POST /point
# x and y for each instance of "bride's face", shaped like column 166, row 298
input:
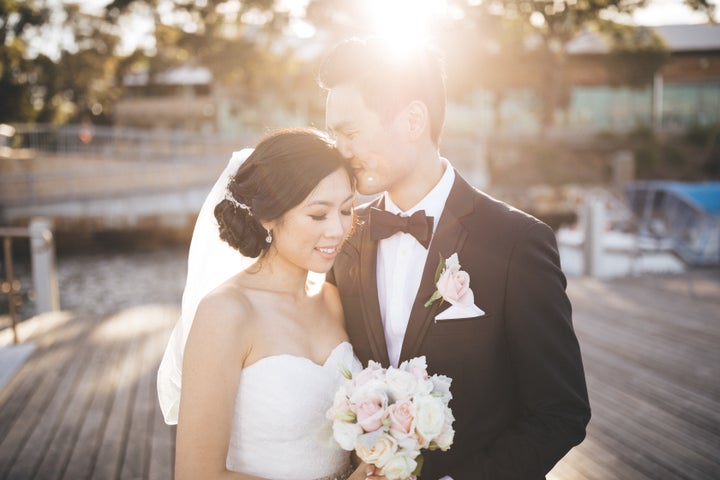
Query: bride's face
column 311, row 234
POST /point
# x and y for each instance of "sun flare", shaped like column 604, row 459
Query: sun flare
column 403, row 23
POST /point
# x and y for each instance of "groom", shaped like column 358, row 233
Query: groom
column 520, row 399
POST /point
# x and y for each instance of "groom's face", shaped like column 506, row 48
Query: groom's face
column 373, row 145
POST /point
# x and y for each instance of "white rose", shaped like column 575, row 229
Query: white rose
column 402, row 385
column 376, row 448
column 445, row 439
column 340, row 404
column 417, row 366
column 408, row 445
column 346, row 434
column 424, row 387
column 447, row 435
column 429, row 417
column 441, row 387
column 400, row 467
column 374, row 389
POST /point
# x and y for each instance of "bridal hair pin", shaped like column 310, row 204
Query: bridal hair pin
column 231, row 199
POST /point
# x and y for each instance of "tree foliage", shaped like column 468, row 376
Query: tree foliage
column 235, row 40
column 18, row 75
column 500, row 45
column 495, row 44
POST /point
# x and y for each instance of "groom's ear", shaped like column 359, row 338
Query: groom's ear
column 416, row 118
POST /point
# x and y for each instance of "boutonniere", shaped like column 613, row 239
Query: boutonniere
column 453, row 286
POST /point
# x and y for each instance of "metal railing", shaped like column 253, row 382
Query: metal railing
column 123, row 142
column 43, row 163
column 43, row 259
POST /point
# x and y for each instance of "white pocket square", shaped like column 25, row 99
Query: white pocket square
column 460, row 311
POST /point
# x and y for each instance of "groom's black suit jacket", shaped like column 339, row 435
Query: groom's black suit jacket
column 520, row 399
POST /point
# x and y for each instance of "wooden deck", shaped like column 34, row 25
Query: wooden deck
column 84, row 404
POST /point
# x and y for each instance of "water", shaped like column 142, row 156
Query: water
column 104, row 282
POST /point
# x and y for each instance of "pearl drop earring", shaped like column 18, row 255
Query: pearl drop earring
column 268, row 239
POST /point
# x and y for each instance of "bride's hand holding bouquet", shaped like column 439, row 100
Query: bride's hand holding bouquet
column 388, row 416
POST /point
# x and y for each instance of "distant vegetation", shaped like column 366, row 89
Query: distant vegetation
column 245, row 44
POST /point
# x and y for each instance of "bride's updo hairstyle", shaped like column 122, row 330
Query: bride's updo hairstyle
column 284, row 168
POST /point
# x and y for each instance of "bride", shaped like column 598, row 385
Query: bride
column 258, row 347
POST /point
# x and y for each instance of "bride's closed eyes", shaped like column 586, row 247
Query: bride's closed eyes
column 323, row 216
column 320, row 215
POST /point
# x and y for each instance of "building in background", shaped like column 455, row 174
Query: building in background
column 684, row 94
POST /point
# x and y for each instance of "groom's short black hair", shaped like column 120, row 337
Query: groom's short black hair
column 388, row 80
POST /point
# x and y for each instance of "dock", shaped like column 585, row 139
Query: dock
column 83, row 404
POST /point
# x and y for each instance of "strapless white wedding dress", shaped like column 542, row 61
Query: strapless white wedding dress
column 279, row 427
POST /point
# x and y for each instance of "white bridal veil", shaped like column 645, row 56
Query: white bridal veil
column 211, row 261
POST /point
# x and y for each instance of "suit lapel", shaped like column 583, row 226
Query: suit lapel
column 370, row 303
column 449, row 238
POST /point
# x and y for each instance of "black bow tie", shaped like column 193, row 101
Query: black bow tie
column 385, row 224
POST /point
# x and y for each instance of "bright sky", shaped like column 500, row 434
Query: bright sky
column 659, row 12
column 670, row 12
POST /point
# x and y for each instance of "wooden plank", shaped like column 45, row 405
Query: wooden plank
column 95, row 418
column 35, row 387
column 48, row 419
column 113, row 442
column 162, row 441
column 136, row 460
column 665, row 452
column 650, row 351
column 63, row 441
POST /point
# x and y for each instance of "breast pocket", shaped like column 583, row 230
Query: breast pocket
column 462, row 326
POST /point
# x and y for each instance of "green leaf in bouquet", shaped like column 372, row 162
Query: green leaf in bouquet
column 346, row 417
column 345, row 372
column 420, row 460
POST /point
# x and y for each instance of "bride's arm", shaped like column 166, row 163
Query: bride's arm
column 216, row 348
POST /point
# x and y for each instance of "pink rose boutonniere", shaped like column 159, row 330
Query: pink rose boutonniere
column 453, row 286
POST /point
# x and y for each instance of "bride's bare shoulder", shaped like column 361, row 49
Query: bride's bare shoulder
column 228, row 307
column 223, row 328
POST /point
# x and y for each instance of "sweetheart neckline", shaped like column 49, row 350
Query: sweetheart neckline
column 280, row 355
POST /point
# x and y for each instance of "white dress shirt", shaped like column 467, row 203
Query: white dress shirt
column 400, row 264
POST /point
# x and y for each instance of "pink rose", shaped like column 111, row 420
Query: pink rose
column 363, row 377
column 454, row 286
column 370, row 414
column 340, row 408
column 401, row 416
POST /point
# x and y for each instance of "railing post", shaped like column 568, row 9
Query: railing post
column 11, row 286
column 594, row 232
column 42, row 248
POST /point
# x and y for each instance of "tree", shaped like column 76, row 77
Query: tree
column 235, row 40
column 546, row 28
column 18, row 75
column 503, row 44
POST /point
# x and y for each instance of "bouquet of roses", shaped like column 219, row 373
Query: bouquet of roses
column 388, row 415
